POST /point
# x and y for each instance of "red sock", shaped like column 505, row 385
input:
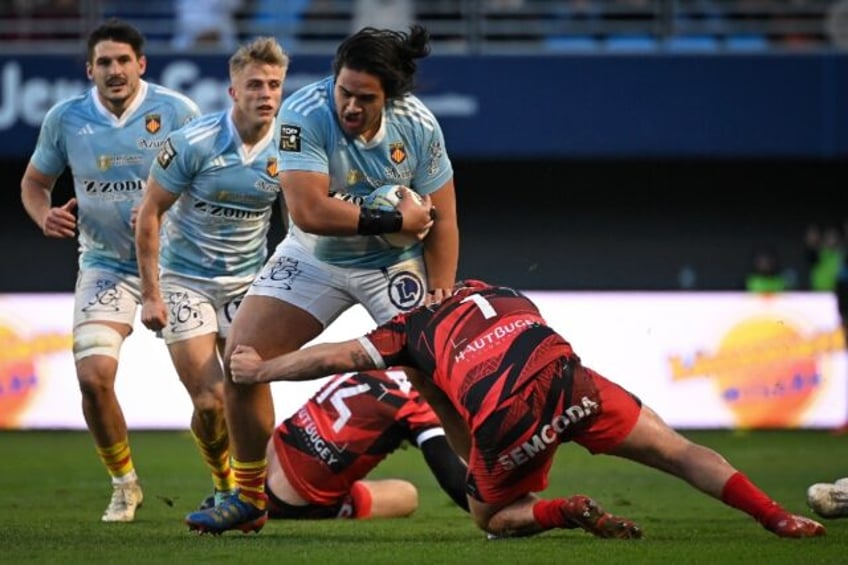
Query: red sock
column 548, row 513
column 361, row 500
column 739, row 492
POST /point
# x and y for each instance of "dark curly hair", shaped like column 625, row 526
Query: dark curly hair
column 387, row 54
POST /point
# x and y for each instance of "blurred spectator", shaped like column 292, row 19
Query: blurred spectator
column 451, row 23
column 766, row 274
column 799, row 25
column 700, row 17
column 383, row 14
column 152, row 17
column 836, row 24
column 326, row 21
column 841, row 291
column 42, row 19
column 200, row 23
column 277, row 19
column 824, row 253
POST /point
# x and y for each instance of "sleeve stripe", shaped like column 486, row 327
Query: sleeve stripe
column 372, row 352
column 416, row 111
column 308, row 101
column 429, row 434
column 200, row 133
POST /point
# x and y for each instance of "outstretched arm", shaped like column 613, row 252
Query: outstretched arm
column 313, row 362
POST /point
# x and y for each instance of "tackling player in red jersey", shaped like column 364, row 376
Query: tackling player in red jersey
column 319, row 456
column 508, row 390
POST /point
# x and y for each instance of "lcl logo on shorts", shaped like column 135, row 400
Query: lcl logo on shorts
column 406, row 290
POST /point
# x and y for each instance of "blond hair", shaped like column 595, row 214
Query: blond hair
column 260, row 50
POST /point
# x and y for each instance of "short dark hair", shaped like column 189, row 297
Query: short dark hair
column 118, row 31
column 387, row 54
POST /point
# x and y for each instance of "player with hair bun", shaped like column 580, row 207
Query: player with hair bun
column 340, row 138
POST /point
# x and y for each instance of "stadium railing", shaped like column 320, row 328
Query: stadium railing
column 467, row 26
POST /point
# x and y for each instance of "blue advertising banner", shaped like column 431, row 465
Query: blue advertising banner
column 596, row 106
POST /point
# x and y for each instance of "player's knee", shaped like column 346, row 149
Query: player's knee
column 96, row 350
column 96, row 339
column 209, row 416
column 207, row 402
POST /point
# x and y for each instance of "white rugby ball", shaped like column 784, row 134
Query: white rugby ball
column 386, row 198
column 829, row 500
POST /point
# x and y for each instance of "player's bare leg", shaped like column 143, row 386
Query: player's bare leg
column 652, row 442
column 273, row 328
column 199, row 368
column 530, row 515
column 105, row 421
column 390, row 498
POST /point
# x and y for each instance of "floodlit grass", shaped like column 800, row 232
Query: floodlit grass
column 53, row 490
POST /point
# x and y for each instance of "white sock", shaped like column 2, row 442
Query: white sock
column 130, row 477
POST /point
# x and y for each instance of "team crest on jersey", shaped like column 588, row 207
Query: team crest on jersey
column 166, row 154
column 289, row 138
column 271, row 166
column 104, row 162
column 152, row 123
column 406, row 291
column 397, row 152
column 353, row 176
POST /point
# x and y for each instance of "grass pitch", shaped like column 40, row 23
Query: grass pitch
column 53, row 490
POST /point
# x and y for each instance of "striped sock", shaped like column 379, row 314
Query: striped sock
column 216, row 455
column 250, row 478
column 117, row 459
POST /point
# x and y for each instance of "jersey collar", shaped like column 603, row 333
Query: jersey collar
column 140, row 95
column 378, row 137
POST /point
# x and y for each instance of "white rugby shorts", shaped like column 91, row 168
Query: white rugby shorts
column 294, row 275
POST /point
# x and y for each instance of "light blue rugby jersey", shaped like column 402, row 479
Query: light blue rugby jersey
column 409, row 149
column 109, row 158
column 218, row 226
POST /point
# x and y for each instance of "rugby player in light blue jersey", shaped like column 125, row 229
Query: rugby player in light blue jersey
column 108, row 137
column 341, row 138
column 217, row 179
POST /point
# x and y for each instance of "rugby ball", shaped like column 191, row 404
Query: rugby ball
column 829, row 500
column 386, row 198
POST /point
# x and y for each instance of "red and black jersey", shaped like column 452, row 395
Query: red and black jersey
column 351, row 424
column 480, row 345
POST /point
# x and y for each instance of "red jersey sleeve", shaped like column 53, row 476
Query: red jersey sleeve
column 386, row 344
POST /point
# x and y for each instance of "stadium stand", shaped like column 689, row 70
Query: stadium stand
column 469, row 26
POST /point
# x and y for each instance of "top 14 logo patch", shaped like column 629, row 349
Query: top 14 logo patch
column 290, row 138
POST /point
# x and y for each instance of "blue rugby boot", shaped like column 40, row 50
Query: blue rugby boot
column 232, row 513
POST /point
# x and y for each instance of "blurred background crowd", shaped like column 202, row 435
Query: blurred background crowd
column 622, row 202
column 458, row 26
